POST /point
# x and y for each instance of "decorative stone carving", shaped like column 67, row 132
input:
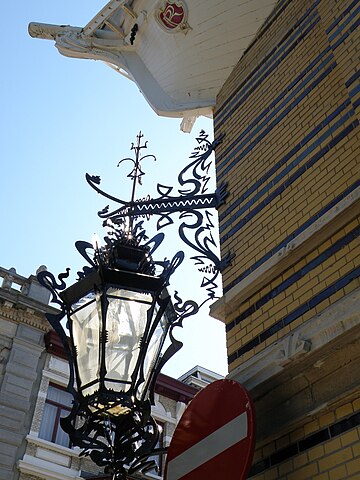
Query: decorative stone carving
column 8, row 279
column 24, row 317
column 333, row 322
column 292, row 347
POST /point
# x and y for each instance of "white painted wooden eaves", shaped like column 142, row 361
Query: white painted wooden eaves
column 179, row 74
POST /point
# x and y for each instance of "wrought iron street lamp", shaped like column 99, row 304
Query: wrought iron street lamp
column 118, row 316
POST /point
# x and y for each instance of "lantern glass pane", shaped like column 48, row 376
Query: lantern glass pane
column 125, row 323
column 153, row 352
column 85, row 321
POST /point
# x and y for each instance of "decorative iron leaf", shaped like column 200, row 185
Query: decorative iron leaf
column 163, row 190
column 104, row 211
column 94, row 179
column 82, row 248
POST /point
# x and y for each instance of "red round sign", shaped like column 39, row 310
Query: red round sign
column 215, row 437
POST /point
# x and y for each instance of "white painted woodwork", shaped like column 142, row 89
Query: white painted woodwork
column 179, row 73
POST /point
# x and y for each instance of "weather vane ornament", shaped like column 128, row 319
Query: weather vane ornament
column 119, row 311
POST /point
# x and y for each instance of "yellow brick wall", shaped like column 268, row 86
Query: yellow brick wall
column 337, row 458
column 300, row 292
column 290, row 114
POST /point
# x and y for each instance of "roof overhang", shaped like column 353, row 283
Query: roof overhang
column 179, row 53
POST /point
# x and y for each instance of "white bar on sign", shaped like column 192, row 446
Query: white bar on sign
column 210, row 446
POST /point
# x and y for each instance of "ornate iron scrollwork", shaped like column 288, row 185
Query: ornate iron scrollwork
column 193, row 203
column 108, row 441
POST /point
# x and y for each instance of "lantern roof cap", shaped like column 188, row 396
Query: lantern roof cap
column 126, row 280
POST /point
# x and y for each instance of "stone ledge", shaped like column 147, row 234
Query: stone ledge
column 335, row 219
column 47, row 470
column 290, row 384
column 33, row 439
column 15, row 315
column 317, row 332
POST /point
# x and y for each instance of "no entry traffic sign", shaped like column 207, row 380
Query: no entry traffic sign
column 215, row 437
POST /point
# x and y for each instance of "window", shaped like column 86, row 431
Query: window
column 57, row 405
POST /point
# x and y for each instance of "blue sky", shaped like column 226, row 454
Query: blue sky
column 61, row 118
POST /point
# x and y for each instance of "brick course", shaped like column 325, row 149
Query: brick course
column 290, row 114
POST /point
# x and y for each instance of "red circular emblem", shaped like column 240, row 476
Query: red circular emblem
column 172, row 16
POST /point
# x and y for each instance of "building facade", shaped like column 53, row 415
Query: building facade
column 290, row 116
column 289, row 113
column 33, row 379
column 22, row 359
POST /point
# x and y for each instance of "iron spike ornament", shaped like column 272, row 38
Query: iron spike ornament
column 119, row 312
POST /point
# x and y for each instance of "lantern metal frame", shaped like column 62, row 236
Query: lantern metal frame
column 115, row 427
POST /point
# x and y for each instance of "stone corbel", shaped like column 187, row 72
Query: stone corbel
column 271, row 361
column 334, row 323
column 292, row 347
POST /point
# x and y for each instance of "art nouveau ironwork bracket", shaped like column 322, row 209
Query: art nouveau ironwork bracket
column 191, row 201
column 115, row 440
